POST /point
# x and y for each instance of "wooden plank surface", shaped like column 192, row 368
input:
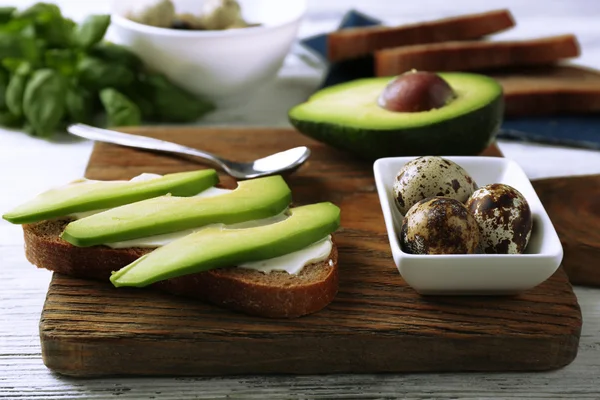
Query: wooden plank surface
column 376, row 323
column 573, row 204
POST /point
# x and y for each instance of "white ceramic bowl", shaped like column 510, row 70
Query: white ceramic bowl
column 227, row 66
column 472, row 274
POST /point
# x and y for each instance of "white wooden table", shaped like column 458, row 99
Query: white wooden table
column 28, row 166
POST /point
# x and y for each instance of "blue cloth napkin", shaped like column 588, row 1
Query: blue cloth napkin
column 567, row 131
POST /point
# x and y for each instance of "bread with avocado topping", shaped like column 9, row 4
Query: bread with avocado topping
column 275, row 294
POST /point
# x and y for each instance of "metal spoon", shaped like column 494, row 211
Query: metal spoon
column 274, row 164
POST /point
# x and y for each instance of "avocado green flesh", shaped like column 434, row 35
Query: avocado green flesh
column 253, row 199
column 348, row 116
column 83, row 197
column 217, row 246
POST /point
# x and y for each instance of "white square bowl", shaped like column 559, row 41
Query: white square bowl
column 473, row 274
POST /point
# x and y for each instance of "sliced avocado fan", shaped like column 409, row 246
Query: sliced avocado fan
column 218, row 246
column 97, row 195
column 347, row 116
column 252, row 199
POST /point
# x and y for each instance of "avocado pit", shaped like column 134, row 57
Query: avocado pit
column 416, row 92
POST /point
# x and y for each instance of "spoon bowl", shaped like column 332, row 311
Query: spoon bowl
column 274, row 164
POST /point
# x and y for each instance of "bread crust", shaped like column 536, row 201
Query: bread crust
column 352, row 43
column 273, row 295
column 475, row 55
column 549, row 90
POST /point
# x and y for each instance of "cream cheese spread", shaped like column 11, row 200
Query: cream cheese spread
column 293, row 263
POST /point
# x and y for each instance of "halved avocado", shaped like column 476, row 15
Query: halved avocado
column 348, row 116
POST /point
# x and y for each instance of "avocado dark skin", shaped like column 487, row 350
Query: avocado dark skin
column 416, row 92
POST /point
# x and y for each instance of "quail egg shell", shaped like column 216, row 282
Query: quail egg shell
column 504, row 218
column 439, row 225
column 430, row 176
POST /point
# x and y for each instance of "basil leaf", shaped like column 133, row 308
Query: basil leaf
column 115, row 53
column 6, row 14
column 15, row 46
column 62, row 60
column 172, row 103
column 10, row 120
column 44, row 101
column 15, row 90
column 91, row 31
column 3, row 86
column 120, row 110
column 80, row 104
column 49, row 24
column 96, row 74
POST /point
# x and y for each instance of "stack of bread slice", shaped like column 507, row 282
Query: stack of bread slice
column 534, row 80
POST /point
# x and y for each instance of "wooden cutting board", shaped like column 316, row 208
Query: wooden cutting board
column 376, row 323
column 573, row 205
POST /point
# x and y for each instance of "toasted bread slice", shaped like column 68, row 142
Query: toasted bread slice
column 274, row 295
column 357, row 42
column 475, row 55
column 550, row 90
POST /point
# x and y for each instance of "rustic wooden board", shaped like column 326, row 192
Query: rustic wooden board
column 376, row 323
column 573, row 204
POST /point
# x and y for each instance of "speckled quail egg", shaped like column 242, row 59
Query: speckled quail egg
column 439, row 225
column 504, row 218
column 430, row 176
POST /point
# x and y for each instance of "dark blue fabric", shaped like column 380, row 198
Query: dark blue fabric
column 567, row 131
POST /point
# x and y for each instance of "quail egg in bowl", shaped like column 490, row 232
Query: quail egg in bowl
column 430, row 176
column 504, row 218
column 469, row 271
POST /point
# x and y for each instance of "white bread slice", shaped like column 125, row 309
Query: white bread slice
column 273, row 295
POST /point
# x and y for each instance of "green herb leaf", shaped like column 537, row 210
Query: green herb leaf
column 21, row 27
column 80, row 104
column 91, row 31
column 15, row 46
column 15, row 90
column 144, row 104
column 37, row 9
column 120, row 110
column 3, row 86
column 62, row 60
column 6, row 14
column 115, row 53
column 9, row 120
column 49, row 24
column 173, row 103
column 13, row 64
column 44, row 101
column 96, row 74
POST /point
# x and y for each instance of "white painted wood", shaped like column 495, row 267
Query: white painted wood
column 23, row 287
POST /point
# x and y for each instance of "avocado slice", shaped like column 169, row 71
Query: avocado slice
column 252, row 199
column 348, row 116
column 217, row 246
column 82, row 197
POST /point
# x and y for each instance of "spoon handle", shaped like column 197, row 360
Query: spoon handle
column 142, row 142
